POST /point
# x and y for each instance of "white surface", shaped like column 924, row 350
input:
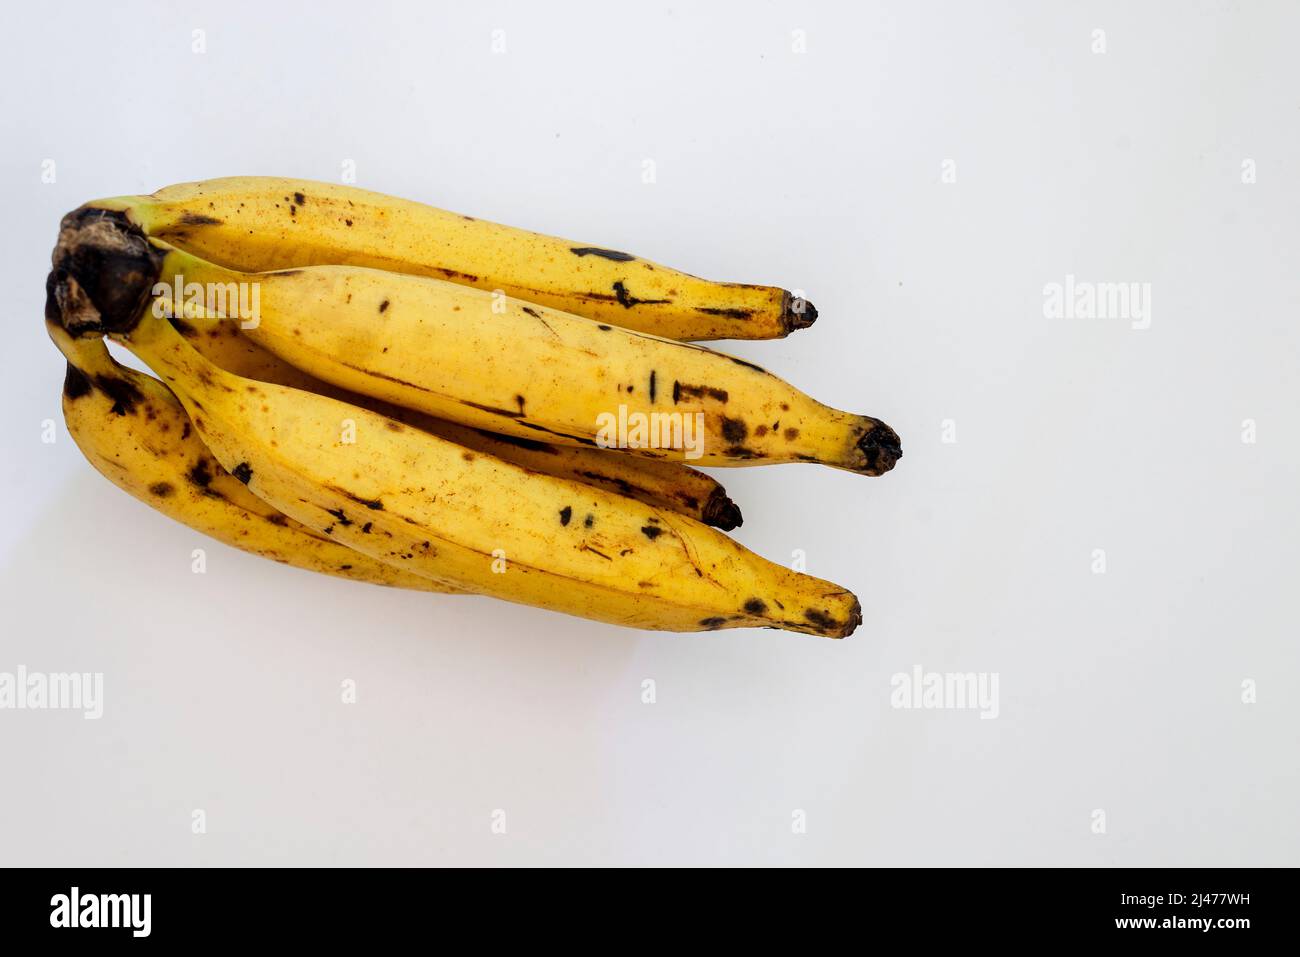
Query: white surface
column 820, row 171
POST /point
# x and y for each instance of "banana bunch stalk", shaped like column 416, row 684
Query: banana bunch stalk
column 396, row 394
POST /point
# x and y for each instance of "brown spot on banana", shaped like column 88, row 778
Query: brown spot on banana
column 125, row 396
column 734, row 430
column 75, row 383
column 201, row 474
column 726, row 313
column 493, row 409
column 197, row 219
column 698, row 392
column 610, row 254
column 627, row 301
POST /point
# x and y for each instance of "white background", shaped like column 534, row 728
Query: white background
column 820, row 171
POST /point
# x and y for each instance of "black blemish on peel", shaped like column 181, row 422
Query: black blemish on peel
column 123, row 393
column 623, row 485
column 300, row 199
column 383, row 305
column 197, row 219
column 514, row 440
column 728, row 313
column 185, row 430
column 75, row 383
column 820, row 619
column 611, row 254
column 454, row 274
column 340, row 515
column 566, row 513
column 161, row 489
column 492, row 409
column 734, row 430
column 184, row 328
column 589, row 521
column 243, row 471
column 652, row 386
column 747, row 365
column 604, row 328
column 532, row 312
column 580, row 439
column 627, row 301
column 293, row 210
column 200, row 474
column 698, row 392
column 712, row 623
column 756, row 606
column 367, row 527
column 650, row 532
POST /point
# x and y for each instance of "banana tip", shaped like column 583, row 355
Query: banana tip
column 798, row 313
column 881, row 448
column 721, row 512
column 854, row 619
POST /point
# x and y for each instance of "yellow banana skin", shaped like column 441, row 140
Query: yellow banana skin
column 262, row 223
column 659, row 483
column 136, row 434
column 533, row 372
column 467, row 519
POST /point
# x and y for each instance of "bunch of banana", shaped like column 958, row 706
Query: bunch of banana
column 418, row 398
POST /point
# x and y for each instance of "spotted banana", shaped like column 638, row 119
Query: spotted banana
column 262, row 223
column 505, row 366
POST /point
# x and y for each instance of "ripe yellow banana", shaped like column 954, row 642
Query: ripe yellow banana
column 529, row 371
column 660, row 483
column 137, row 435
column 261, row 223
